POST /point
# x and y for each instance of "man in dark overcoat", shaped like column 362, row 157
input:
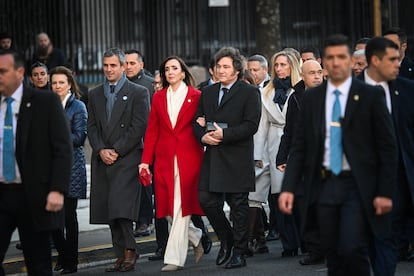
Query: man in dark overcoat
column 231, row 110
column 33, row 186
column 118, row 113
column 350, row 173
column 383, row 70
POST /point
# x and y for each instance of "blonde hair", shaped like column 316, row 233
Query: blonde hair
column 295, row 71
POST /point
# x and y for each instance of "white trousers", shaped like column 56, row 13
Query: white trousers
column 182, row 229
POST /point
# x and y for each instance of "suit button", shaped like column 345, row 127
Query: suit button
column 122, row 125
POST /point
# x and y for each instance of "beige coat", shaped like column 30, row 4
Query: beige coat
column 266, row 145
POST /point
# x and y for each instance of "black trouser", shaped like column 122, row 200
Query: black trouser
column 15, row 212
column 212, row 205
column 122, row 236
column 146, row 213
column 344, row 227
column 66, row 240
column 387, row 249
column 286, row 224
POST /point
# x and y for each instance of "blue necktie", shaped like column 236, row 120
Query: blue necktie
column 9, row 172
column 336, row 137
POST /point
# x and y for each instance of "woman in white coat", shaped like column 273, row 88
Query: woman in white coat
column 285, row 73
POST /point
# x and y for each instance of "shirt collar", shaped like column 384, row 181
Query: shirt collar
column 17, row 95
column 343, row 87
column 227, row 86
column 370, row 81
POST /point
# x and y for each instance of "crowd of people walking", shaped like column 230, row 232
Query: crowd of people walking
column 327, row 141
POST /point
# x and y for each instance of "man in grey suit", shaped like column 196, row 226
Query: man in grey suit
column 118, row 113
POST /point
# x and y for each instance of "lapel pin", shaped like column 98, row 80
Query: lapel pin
column 28, row 105
column 396, row 92
column 356, row 98
column 124, row 98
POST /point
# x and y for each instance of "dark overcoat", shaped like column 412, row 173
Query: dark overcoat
column 43, row 154
column 229, row 166
column 402, row 103
column 368, row 142
column 115, row 190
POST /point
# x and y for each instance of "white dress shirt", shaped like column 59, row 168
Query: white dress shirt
column 384, row 85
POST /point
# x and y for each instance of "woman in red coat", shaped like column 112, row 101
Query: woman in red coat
column 171, row 145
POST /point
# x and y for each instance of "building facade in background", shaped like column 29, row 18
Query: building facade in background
column 192, row 29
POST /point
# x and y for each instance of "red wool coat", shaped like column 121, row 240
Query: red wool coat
column 162, row 143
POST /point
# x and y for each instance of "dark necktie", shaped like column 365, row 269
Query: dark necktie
column 9, row 172
column 223, row 92
column 112, row 87
column 336, row 137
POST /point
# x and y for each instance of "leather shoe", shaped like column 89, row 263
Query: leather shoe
column 158, row 255
column 58, row 267
column 224, row 253
column 116, row 266
column 130, row 258
column 312, row 260
column 142, row 230
column 69, row 270
column 273, row 235
column 236, row 261
column 206, row 242
column 290, row 253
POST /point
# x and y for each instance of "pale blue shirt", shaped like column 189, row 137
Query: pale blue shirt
column 17, row 99
column 329, row 103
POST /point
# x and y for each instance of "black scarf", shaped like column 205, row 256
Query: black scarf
column 281, row 86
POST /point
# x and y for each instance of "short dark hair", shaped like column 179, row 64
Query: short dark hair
column 4, row 35
column 337, row 40
column 18, row 59
column 362, row 40
column 377, row 46
column 115, row 52
column 36, row 65
column 311, row 49
column 235, row 55
column 188, row 79
column 133, row 51
column 402, row 36
column 259, row 58
column 211, row 64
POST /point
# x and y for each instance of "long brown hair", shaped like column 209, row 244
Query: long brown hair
column 188, row 79
column 68, row 73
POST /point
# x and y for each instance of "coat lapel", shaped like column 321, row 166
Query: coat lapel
column 24, row 122
column 319, row 117
column 229, row 94
column 119, row 106
column 189, row 101
column 351, row 103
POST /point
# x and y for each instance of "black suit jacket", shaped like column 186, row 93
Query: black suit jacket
column 368, row 143
column 146, row 81
column 43, row 153
column 229, row 166
column 402, row 103
column 407, row 68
